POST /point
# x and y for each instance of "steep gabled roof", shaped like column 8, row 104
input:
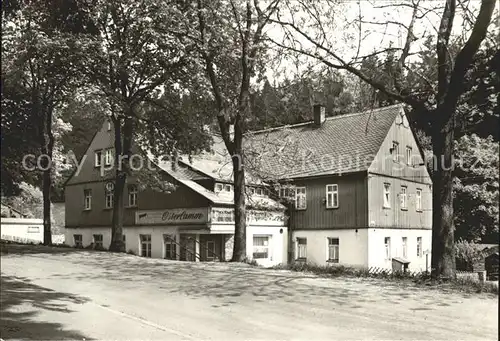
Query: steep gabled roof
column 343, row 144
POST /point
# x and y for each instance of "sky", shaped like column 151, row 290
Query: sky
column 342, row 28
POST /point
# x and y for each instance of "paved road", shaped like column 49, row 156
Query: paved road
column 67, row 294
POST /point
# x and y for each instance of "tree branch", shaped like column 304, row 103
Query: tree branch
column 466, row 55
column 346, row 66
column 442, row 47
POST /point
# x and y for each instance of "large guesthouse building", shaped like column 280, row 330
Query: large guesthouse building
column 350, row 189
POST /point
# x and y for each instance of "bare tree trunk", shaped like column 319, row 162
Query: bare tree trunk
column 122, row 159
column 239, row 247
column 46, row 163
column 443, row 253
column 47, row 227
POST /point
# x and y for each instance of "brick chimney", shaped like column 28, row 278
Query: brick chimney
column 319, row 113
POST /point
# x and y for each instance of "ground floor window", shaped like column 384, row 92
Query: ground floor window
column 387, row 246
column 98, row 240
column 404, row 246
column 301, row 248
column 170, row 246
column 333, row 250
column 260, row 247
column 145, row 245
column 78, row 240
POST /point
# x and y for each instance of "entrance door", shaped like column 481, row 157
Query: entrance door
column 210, row 250
column 188, row 248
column 211, row 247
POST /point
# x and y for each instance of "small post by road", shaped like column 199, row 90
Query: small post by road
column 426, row 253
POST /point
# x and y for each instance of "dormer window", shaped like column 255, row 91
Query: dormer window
column 228, row 188
column 287, row 193
column 218, row 188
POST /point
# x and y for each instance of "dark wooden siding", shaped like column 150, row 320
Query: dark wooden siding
column 90, row 177
column 146, row 200
column 395, row 216
column 207, row 183
column 351, row 213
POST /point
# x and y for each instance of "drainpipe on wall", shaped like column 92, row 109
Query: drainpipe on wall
column 290, row 234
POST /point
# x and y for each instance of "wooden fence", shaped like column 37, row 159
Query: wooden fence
column 390, row 272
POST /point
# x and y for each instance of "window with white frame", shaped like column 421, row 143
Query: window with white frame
column 259, row 191
column 228, row 188
column 300, row 198
column 78, row 239
column 260, row 247
column 333, row 250
column 218, row 187
column 98, row 240
column 403, row 196
column 395, row 151
column 87, row 199
column 301, row 248
column 251, row 190
column 98, row 158
column 108, row 157
column 108, row 200
column 419, row 246
column 387, row 195
column 332, row 196
column 287, row 193
column 170, row 246
column 387, row 246
column 408, row 155
column 145, row 245
column 404, row 246
column 418, row 199
column 132, row 195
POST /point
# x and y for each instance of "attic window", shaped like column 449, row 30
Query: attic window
column 395, row 151
column 408, row 155
column 98, row 158
column 218, row 187
column 228, row 188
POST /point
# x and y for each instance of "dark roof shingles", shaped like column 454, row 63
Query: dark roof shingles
column 342, row 144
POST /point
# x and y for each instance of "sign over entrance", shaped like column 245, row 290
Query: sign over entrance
column 172, row 216
column 254, row 217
